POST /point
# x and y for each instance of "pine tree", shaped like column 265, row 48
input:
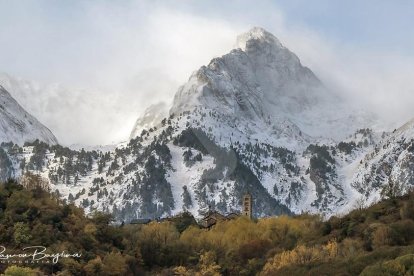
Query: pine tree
column 187, row 198
column 391, row 190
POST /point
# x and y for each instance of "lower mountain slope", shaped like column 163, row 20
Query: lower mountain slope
column 373, row 240
column 178, row 167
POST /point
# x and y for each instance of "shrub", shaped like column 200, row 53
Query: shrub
column 407, row 210
column 208, row 265
column 301, row 255
column 21, row 233
column 404, row 230
column 383, row 235
column 21, row 271
column 350, row 247
column 400, row 266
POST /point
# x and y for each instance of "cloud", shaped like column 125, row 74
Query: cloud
column 110, row 65
column 379, row 81
column 115, row 59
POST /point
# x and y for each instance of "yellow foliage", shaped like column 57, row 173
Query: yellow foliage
column 194, row 237
column 182, row 271
column 350, row 247
column 230, row 236
column 403, row 265
column 94, row 267
column 21, row 271
column 159, row 233
column 331, row 249
column 276, row 229
column 208, row 265
column 90, row 229
column 114, row 264
column 382, row 236
column 301, row 255
column 64, row 273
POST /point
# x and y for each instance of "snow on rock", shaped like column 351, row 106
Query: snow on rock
column 19, row 126
column 254, row 120
column 152, row 117
column 264, row 81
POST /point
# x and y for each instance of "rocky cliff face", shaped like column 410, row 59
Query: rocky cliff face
column 390, row 160
column 19, row 126
column 262, row 81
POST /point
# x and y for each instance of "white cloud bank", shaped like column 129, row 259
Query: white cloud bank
column 127, row 56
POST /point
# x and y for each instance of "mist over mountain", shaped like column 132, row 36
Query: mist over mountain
column 263, row 80
column 151, row 117
column 253, row 120
column 17, row 125
column 75, row 115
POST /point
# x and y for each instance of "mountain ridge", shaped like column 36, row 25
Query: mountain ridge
column 17, row 125
column 252, row 120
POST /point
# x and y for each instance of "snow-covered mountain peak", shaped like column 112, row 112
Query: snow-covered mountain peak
column 263, row 81
column 258, row 73
column 265, row 49
column 257, row 35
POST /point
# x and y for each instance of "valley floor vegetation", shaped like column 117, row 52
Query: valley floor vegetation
column 377, row 240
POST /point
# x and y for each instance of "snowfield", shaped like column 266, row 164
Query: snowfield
column 254, row 120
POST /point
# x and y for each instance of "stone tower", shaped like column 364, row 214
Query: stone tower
column 247, row 205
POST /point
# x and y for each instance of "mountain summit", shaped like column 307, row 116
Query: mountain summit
column 264, row 81
column 258, row 35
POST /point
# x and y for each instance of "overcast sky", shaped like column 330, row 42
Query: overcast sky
column 117, row 57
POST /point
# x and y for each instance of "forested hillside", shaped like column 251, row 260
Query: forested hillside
column 378, row 240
